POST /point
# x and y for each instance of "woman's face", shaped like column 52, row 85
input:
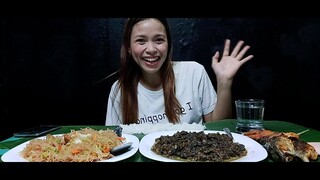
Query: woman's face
column 149, row 45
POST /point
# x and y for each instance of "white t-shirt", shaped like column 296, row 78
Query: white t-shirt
column 194, row 92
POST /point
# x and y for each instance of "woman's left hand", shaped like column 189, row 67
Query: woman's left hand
column 227, row 67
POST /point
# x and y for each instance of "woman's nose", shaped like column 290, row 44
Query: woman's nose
column 151, row 48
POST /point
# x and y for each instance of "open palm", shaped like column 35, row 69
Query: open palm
column 227, row 67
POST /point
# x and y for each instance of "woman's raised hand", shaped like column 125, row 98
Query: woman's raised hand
column 227, row 67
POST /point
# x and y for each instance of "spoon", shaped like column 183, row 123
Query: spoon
column 118, row 131
column 121, row 148
column 228, row 132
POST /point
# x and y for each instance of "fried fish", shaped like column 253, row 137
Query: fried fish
column 284, row 147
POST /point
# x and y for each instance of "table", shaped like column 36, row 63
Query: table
column 311, row 135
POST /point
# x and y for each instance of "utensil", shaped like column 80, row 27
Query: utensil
column 121, row 148
column 303, row 132
column 118, row 131
column 228, row 132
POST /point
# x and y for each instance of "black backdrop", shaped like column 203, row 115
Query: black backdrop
column 52, row 69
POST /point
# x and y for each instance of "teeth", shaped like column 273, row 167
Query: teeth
column 150, row 59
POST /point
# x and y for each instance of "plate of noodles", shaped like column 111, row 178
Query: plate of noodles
column 85, row 145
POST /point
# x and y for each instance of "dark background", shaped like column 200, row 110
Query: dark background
column 52, row 69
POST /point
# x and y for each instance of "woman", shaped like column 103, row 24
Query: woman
column 154, row 89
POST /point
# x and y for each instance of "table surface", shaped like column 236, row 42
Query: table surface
column 311, row 135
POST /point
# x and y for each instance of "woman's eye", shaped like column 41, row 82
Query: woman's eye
column 159, row 40
column 141, row 41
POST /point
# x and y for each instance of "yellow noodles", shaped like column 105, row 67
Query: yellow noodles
column 85, row 145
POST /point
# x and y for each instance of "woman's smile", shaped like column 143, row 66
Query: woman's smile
column 151, row 62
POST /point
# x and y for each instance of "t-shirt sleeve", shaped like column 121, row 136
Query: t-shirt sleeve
column 209, row 95
column 113, row 116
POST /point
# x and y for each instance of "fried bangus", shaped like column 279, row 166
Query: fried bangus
column 284, row 146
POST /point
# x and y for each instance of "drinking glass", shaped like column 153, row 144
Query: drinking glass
column 250, row 114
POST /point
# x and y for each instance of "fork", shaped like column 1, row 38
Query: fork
column 228, row 132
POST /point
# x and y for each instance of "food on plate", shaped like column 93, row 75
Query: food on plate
column 316, row 146
column 198, row 147
column 149, row 128
column 85, row 145
column 284, row 146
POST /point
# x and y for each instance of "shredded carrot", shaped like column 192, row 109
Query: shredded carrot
column 59, row 147
column 121, row 138
column 106, row 150
column 75, row 151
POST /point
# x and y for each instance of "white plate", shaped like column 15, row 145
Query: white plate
column 13, row 154
column 255, row 152
column 316, row 146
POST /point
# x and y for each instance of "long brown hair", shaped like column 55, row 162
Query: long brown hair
column 130, row 74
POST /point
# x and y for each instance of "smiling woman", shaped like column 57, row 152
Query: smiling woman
column 153, row 88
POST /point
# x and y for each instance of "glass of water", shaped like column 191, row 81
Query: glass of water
column 250, row 114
